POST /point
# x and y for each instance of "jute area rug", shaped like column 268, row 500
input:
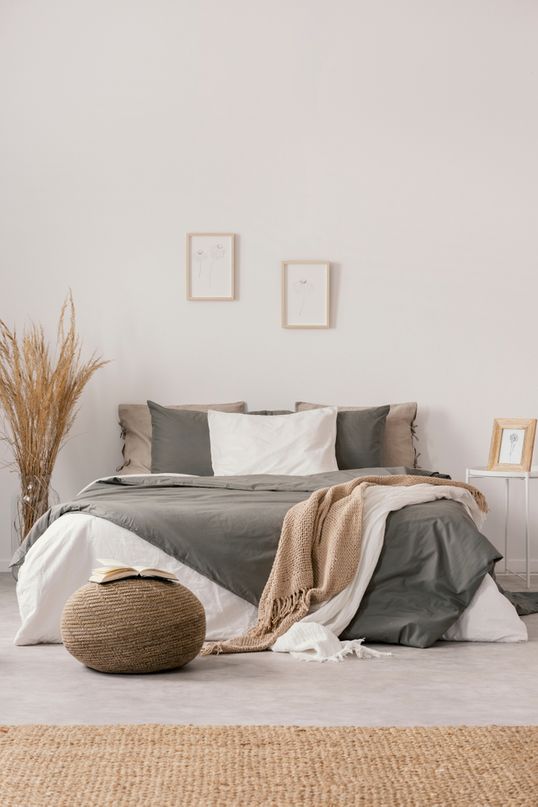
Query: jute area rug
column 166, row 766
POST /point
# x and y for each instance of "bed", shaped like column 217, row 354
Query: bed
column 431, row 578
column 425, row 570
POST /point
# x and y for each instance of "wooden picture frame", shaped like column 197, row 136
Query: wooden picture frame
column 210, row 266
column 306, row 294
column 512, row 444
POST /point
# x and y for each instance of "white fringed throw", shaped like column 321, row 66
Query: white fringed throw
column 310, row 641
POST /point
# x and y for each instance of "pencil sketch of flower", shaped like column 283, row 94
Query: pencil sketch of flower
column 200, row 256
column 218, row 253
column 210, row 266
column 514, row 439
column 303, row 289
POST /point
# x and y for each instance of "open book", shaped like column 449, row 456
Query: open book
column 116, row 570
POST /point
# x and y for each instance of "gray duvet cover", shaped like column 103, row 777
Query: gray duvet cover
column 227, row 528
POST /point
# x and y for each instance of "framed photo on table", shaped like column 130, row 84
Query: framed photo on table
column 210, row 266
column 306, row 294
column 512, row 444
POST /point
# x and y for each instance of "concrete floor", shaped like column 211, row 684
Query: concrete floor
column 448, row 684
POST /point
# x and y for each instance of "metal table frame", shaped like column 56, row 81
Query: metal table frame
column 526, row 476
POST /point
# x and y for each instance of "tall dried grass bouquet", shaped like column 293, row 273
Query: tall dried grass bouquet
column 39, row 392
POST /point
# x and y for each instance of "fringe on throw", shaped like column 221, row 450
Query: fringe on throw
column 349, row 648
column 293, row 605
column 282, row 608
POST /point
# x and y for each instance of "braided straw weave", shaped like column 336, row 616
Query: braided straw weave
column 133, row 626
column 273, row 766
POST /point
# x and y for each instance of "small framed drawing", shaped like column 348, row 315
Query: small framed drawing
column 210, row 266
column 512, row 444
column 306, row 294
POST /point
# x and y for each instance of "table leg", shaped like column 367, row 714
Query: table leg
column 527, row 537
column 506, row 523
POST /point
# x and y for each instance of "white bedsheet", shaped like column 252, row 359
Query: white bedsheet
column 62, row 559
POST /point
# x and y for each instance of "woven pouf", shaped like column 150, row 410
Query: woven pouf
column 133, row 626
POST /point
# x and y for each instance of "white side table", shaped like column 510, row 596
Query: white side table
column 472, row 473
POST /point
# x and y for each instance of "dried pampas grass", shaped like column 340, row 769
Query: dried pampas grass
column 39, row 393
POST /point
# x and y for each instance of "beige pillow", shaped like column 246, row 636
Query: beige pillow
column 399, row 447
column 135, row 422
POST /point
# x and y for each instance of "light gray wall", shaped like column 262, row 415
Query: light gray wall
column 396, row 139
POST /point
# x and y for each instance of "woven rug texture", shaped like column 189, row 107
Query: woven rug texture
column 171, row 766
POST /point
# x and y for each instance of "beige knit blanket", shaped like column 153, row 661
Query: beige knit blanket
column 317, row 557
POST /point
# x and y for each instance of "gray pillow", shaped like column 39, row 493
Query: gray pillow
column 271, row 412
column 399, row 441
column 359, row 438
column 135, row 422
column 179, row 442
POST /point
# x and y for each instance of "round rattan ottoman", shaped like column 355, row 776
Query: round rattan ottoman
column 136, row 625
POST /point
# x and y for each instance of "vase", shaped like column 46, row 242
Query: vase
column 34, row 500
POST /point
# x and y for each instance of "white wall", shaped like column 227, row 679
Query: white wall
column 396, row 139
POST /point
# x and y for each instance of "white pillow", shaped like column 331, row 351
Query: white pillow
column 490, row 617
column 301, row 443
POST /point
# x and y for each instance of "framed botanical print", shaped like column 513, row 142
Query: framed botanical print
column 305, row 294
column 210, row 266
column 512, row 444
